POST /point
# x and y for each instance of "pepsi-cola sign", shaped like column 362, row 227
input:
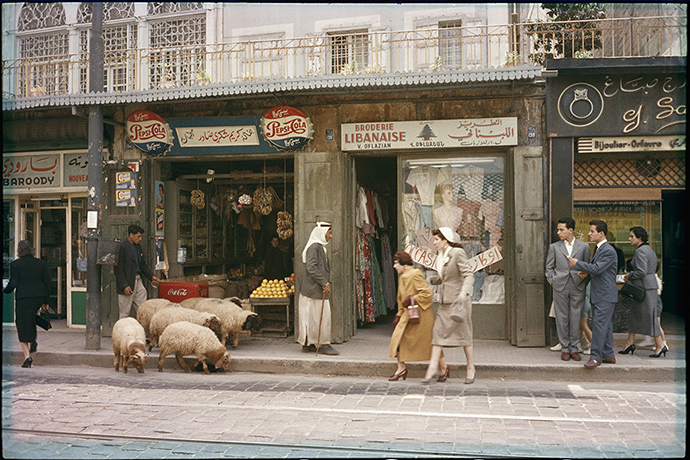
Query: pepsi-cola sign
column 286, row 128
column 149, row 132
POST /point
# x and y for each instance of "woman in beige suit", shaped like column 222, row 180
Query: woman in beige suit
column 456, row 280
column 410, row 342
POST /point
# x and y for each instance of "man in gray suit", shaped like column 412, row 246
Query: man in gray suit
column 568, row 286
column 603, row 293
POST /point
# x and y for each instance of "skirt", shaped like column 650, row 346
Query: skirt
column 26, row 310
column 643, row 317
column 449, row 333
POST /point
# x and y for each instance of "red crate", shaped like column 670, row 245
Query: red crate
column 176, row 291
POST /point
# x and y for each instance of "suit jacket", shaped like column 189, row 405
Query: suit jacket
column 644, row 266
column 30, row 277
column 558, row 270
column 126, row 268
column 317, row 272
column 456, row 276
column 602, row 269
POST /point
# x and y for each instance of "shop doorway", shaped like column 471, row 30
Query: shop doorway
column 376, row 238
column 673, row 205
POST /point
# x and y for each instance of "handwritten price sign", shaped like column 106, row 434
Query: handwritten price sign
column 486, row 258
column 421, row 256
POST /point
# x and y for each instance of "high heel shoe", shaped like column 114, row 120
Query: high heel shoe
column 28, row 361
column 443, row 377
column 434, row 376
column 471, row 381
column 395, row 377
column 663, row 351
column 630, row 349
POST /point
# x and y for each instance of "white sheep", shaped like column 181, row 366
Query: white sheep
column 191, row 301
column 233, row 319
column 165, row 317
column 185, row 338
column 147, row 309
column 129, row 340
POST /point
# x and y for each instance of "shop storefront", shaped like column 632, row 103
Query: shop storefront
column 45, row 202
column 618, row 154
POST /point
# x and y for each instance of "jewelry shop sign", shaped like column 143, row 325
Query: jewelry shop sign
column 630, row 144
column 396, row 135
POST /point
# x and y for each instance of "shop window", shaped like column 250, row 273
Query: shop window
column 620, row 216
column 8, row 242
column 79, row 233
column 466, row 195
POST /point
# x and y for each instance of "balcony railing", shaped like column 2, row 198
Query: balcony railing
column 455, row 48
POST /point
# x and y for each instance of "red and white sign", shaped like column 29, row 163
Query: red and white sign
column 486, row 258
column 176, row 291
column 421, row 256
column 149, row 132
column 286, row 128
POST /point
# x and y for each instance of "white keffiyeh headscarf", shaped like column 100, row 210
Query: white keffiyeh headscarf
column 318, row 235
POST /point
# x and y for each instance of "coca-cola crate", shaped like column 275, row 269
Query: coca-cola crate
column 176, row 291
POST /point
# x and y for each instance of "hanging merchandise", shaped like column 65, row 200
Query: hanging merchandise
column 245, row 200
column 263, row 201
column 284, row 225
column 198, row 199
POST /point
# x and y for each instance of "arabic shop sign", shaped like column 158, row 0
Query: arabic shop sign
column 149, row 132
column 31, row 172
column 479, row 132
column 76, row 169
column 287, row 128
column 217, row 136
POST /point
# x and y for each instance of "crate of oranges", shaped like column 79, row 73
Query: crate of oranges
column 271, row 291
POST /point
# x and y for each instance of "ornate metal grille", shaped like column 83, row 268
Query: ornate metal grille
column 111, row 11
column 173, row 7
column 349, row 51
column 666, row 172
column 40, row 16
column 48, row 55
column 179, row 50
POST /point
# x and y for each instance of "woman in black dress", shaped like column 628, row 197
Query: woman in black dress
column 29, row 276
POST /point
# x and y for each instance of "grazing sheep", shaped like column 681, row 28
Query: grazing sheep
column 165, row 317
column 185, row 338
column 130, row 342
column 233, row 318
column 190, row 302
column 147, row 309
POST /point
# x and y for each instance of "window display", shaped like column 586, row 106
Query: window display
column 466, row 195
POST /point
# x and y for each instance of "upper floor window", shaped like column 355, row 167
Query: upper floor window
column 111, row 11
column 172, row 7
column 349, row 51
column 40, row 16
column 450, row 44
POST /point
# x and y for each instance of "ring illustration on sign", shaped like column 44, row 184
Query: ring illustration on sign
column 581, row 95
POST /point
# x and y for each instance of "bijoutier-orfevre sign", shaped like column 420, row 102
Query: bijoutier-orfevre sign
column 396, row 135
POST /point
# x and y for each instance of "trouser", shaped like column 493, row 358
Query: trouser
column 602, row 331
column 138, row 297
column 567, row 306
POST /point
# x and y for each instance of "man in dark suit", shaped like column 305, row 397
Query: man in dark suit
column 130, row 267
column 568, row 286
column 603, row 293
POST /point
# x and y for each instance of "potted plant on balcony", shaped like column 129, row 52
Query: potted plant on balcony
column 513, row 58
column 167, row 80
column 437, row 64
column 37, row 91
column 349, row 68
column 202, row 76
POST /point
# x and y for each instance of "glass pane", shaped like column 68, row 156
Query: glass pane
column 466, row 195
column 79, row 231
column 8, row 242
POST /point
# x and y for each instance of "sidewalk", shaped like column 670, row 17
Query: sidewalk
column 365, row 355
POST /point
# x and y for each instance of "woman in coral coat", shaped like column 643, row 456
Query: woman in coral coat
column 410, row 342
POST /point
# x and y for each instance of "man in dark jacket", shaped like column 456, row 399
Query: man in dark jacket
column 129, row 270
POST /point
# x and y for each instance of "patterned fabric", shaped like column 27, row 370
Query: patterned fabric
column 491, row 210
column 388, row 272
column 470, row 218
column 424, row 179
column 410, row 216
column 365, row 300
column 493, row 183
column 472, row 180
column 376, row 280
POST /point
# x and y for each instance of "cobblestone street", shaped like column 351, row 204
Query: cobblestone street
column 179, row 415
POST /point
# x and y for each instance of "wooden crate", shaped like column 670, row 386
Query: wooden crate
column 276, row 315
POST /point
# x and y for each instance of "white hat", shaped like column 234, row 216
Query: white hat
column 447, row 233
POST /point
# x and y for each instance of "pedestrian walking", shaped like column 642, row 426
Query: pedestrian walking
column 456, row 280
column 411, row 340
column 314, row 298
column 30, row 278
column 130, row 267
column 568, row 286
column 643, row 318
column 603, row 293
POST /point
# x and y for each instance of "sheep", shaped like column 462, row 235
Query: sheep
column 233, row 318
column 147, row 309
column 165, row 317
column 129, row 341
column 185, row 338
column 191, row 301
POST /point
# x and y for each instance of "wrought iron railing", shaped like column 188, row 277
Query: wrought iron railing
column 432, row 49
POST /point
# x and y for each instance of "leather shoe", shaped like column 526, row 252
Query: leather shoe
column 576, row 356
column 309, row 348
column 592, row 363
column 565, row 356
column 609, row 360
column 328, row 350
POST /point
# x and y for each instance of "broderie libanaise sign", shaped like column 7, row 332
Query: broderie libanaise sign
column 286, row 128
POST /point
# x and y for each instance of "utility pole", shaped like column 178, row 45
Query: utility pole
column 95, row 187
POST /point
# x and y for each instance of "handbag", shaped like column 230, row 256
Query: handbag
column 458, row 309
column 634, row 292
column 43, row 323
column 413, row 313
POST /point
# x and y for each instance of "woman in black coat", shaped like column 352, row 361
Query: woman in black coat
column 30, row 277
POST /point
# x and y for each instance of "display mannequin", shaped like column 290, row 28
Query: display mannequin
column 448, row 214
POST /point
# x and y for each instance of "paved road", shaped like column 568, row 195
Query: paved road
column 82, row 412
